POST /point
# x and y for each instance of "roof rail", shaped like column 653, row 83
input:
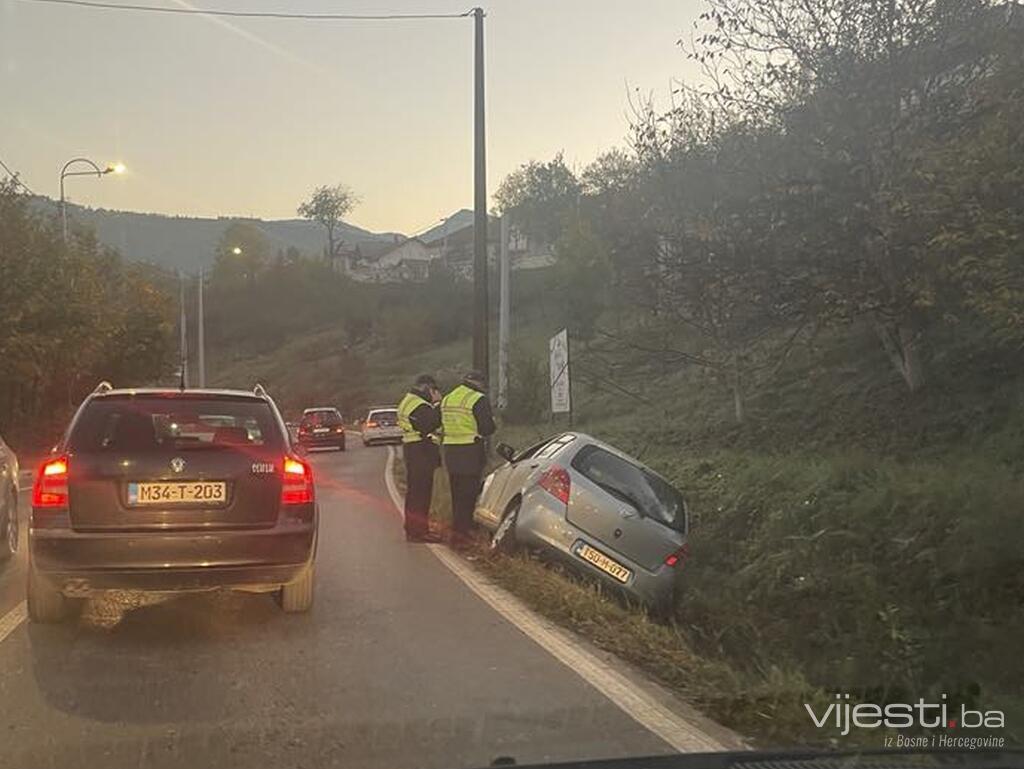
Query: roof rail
column 103, row 387
column 259, row 390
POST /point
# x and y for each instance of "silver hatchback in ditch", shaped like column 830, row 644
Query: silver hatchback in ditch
column 594, row 506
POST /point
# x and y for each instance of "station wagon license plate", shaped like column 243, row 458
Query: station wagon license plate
column 178, row 492
column 603, row 562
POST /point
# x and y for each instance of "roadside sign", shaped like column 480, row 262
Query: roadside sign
column 558, row 362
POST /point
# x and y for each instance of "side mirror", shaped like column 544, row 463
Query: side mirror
column 505, row 451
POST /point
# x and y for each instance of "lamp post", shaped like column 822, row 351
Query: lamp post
column 94, row 170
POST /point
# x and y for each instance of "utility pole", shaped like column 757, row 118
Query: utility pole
column 503, row 316
column 184, row 335
column 201, row 323
column 481, row 358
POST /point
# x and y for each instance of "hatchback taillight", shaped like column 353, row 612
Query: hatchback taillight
column 51, row 486
column 678, row 557
column 555, row 481
column 296, row 482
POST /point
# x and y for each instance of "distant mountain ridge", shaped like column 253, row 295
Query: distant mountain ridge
column 186, row 242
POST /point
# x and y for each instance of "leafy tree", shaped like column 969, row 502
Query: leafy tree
column 584, row 272
column 327, row 206
column 855, row 85
column 538, row 196
column 71, row 317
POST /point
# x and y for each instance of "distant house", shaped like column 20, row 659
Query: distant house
column 399, row 260
column 453, row 243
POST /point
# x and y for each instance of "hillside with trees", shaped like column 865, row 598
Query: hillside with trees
column 186, row 242
column 809, row 317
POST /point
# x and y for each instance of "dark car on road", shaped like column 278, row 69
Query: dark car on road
column 322, row 427
column 172, row 490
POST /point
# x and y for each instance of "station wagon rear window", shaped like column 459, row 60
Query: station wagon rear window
column 140, row 424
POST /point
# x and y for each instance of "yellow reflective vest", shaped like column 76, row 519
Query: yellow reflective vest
column 458, row 424
column 406, row 406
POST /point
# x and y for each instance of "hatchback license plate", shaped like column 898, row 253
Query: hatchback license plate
column 177, row 492
column 603, row 562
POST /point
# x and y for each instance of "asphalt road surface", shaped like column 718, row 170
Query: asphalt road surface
column 399, row 664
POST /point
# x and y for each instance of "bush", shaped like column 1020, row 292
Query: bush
column 871, row 576
column 527, row 388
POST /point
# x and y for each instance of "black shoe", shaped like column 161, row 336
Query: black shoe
column 425, row 537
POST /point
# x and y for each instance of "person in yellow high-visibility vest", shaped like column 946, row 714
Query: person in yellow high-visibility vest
column 419, row 419
column 466, row 419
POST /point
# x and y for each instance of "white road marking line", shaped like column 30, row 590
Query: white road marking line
column 632, row 700
column 389, row 481
column 10, row 621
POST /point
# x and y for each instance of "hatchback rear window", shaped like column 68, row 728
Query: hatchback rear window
column 650, row 494
column 140, row 424
column 383, row 418
column 321, row 419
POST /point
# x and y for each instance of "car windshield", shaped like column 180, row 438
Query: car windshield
column 681, row 351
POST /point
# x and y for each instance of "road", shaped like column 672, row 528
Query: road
column 399, row 664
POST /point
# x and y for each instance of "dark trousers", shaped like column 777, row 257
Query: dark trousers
column 465, row 490
column 420, row 463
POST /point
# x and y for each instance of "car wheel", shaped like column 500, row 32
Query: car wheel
column 297, row 596
column 341, row 446
column 504, row 538
column 9, row 546
column 45, row 603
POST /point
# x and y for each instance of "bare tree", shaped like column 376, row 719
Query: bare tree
column 327, row 206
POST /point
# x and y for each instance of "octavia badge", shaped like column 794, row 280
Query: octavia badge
column 177, row 464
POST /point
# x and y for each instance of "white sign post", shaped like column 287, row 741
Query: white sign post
column 558, row 362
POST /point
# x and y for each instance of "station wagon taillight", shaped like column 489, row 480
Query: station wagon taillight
column 51, row 486
column 370, row 423
column 555, row 481
column 296, row 482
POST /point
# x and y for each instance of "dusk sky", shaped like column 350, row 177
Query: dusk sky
column 219, row 117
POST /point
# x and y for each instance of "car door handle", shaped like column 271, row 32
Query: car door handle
column 627, row 513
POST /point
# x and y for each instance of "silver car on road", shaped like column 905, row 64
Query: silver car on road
column 593, row 506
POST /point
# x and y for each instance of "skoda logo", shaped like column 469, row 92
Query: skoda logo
column 177, row 464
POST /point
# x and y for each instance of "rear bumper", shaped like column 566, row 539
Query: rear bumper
column 382, row 436
column 337, row 439
column 542, row 524
column 172, row 561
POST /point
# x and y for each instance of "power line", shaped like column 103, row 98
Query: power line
column 251, row 14
column 14, row 176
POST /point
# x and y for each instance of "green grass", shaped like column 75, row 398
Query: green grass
column 848, row 536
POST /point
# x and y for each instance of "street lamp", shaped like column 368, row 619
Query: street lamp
column 237, row 251
column 94, row 170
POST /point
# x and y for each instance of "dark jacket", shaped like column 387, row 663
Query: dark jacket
column 471, row 459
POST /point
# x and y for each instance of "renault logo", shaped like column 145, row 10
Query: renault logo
column 177, row 464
